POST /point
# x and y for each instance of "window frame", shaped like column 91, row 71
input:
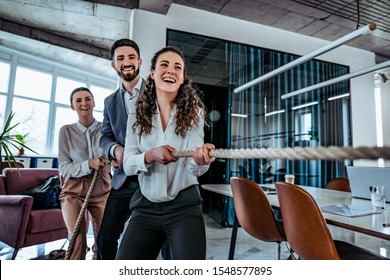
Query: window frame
column 16, row 59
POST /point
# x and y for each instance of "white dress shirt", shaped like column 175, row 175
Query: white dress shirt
column 159, row 182
column 130, row 98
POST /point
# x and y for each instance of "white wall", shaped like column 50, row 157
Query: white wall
column 385, row 98
column 150, row 33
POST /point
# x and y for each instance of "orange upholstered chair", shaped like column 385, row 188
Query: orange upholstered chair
column 306, row 229
column 254, row 212
column 339, row 184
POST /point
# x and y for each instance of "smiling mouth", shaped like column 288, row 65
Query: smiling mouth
column 169, row 80
column 128, row 70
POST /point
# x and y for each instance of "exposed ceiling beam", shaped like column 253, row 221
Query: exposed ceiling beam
column 60, row 40
column 155, row 6
column 128, row 4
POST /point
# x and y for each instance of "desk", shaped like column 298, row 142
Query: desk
column 370, row 224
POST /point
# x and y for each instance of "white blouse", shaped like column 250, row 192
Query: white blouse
column 76, row 145
column 159, row 182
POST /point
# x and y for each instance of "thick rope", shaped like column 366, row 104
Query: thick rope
column 81, row 217
column 299, row 153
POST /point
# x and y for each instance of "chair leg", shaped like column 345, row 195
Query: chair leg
column 233, row 238
column 41, row 249
column 278, row 250
column 14, row 254
column 292, row 256
column 63, row 245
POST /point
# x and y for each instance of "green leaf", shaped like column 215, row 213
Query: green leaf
column 8, row 140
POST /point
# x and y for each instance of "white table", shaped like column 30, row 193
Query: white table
column 370, row 224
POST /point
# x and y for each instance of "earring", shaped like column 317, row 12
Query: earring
column 151, row 85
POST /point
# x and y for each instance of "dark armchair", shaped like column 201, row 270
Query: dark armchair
column 20, row 226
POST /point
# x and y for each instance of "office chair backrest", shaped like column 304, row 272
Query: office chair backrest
column 339, row 184
column 305, row 227
column 254, row 211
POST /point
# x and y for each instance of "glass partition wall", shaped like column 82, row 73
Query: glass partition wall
column 258, row 116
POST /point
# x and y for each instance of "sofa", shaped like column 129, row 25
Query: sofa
column 20, row 226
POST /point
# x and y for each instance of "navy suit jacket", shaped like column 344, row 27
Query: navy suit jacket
column 114, row 130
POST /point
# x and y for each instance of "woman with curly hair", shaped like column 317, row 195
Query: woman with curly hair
column 169, row 116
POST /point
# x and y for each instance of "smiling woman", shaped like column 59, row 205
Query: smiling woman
column 167, row 206
column 79, row 155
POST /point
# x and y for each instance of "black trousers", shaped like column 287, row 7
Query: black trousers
column 180, row 222
column 116, row 214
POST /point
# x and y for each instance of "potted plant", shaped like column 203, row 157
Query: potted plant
column 10, row 141
column 22, row 142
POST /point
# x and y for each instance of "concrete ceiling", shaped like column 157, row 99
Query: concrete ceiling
column 80, row 33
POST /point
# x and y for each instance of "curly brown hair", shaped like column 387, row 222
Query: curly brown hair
column 187, row 102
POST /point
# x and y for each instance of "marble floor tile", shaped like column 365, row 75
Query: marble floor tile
column 218, row 244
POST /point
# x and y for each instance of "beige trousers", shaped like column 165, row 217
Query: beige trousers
column 72, row 198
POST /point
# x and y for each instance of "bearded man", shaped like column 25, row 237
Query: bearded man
column 126, row 61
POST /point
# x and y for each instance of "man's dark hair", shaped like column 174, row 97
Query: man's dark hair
column 124, row 42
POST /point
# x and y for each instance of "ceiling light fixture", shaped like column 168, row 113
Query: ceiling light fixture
column 302, row 59
column 338, row 79
column 274, row 113
column 305, row 105
column 238, row 115
column 339, row 96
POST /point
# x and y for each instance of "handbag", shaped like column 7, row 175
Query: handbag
column 46, row 194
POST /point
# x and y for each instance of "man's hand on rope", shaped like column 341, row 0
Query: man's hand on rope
column 201, row 154
column 115, row 164
column 118, row 152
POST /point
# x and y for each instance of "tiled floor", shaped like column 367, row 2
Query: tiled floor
column 218, row 242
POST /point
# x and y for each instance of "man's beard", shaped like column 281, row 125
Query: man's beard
column 128, row 77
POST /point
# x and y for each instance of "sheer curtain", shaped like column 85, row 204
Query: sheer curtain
column 260, row 118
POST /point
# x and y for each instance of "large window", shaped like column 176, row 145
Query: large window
column 4, row 77
column 33, row 119
column 304, row 125
column 99, row 94
column 5, row 69
column 32, row 83
column 3, row 102
column 65, row 87
column 38, row 92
